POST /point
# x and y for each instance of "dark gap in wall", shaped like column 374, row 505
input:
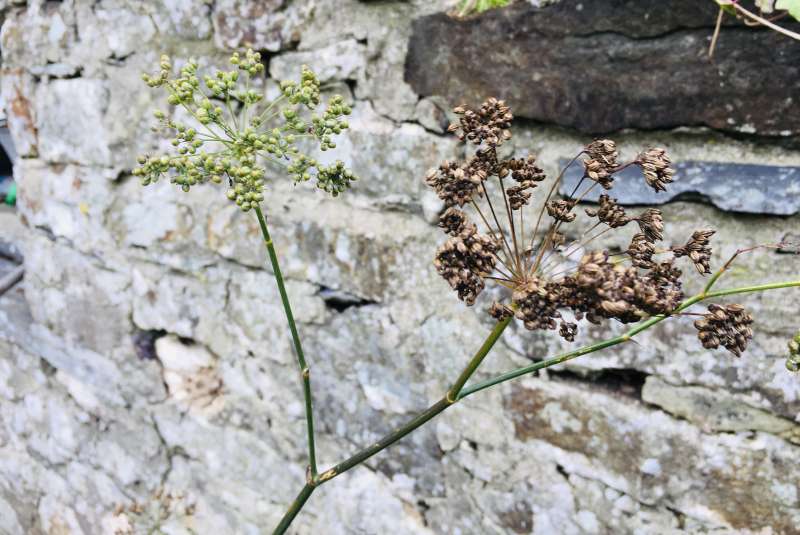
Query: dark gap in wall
column 266, row 58
column 144, row 343
column 560, row 469
column 351, row 85
column 187, row 341
column 680, row 517
column 48, row 369
column 6, row 168
column 423, row 508
column 621, row 381
column 113, row 59
column 340, row 301
column 77, row 73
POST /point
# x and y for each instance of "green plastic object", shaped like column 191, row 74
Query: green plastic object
column 11, row 195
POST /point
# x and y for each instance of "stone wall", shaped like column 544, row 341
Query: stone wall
column 150, row 348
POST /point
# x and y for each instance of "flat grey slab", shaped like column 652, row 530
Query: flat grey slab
column 752, row 189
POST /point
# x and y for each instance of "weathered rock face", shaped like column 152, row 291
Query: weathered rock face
column 149, row 347
column 612, row 64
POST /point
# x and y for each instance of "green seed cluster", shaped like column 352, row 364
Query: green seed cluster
column 793, row 362
column 306, row 92
column 331, row 123
column 334, row 179
column 301, row 167
column 234, row 137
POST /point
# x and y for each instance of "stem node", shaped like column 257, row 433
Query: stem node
column 325, row 476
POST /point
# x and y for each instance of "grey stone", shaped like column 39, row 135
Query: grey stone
column 715, row 411
column 12, row 237
column 747, row 188
column 263, row 25
column 569, row 419
column 64, row 109
column 345, row 60
column 17, row 88
column 433, row 114
column 791, row 244
column 605, row 68
column 189, row 19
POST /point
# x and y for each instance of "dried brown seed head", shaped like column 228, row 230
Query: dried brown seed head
column 454, row 184
column 487, row 125
column 601, row 161
column 567, row 330
column 456, row 223
column 535, row 305
column 527, row 174
column 609, row 212
column 641, row 251
column 697, row 250
column 651, row 224
column 464, row 260
column 655, row 165
column 727, row 326
column 500, row 311
column 561, row 210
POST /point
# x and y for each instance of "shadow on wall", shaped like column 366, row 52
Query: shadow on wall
column 8, row 188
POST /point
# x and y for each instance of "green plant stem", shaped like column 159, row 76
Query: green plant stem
column 295, row 508
column 305, row 372
column 750, row 289
column 385, row 442
column 445, row 402
column 488, row 344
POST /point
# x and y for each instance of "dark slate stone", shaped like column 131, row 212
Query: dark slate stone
column 754, row 189
column 604, row 65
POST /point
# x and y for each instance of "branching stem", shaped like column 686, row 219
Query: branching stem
column 458, row 391
column 305, row 372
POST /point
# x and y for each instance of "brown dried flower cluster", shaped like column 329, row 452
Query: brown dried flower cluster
column 601, row 162
column 656, row 168
column 467, row 257
column 457, row 184
column 697, row 250
column 487, row 125
column 641, row 251
column 727, row 326
column 609, row 212
column 543, row 294
column 527, row 174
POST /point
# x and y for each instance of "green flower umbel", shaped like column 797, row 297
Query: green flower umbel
column 234, row 135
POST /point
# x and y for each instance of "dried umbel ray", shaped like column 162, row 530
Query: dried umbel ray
column 640, row 282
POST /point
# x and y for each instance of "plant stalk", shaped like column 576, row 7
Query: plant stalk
column 294, row 509
column 488, row 344
column 305, row 372
column 450, row 399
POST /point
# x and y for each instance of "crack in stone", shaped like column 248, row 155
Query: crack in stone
column 168, row 451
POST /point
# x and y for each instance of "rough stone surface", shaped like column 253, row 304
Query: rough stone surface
column 147, row 345
column 752, row 189
column 612, row 64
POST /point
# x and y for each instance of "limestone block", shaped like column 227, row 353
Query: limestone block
column 17, row 88
column 69, row 115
